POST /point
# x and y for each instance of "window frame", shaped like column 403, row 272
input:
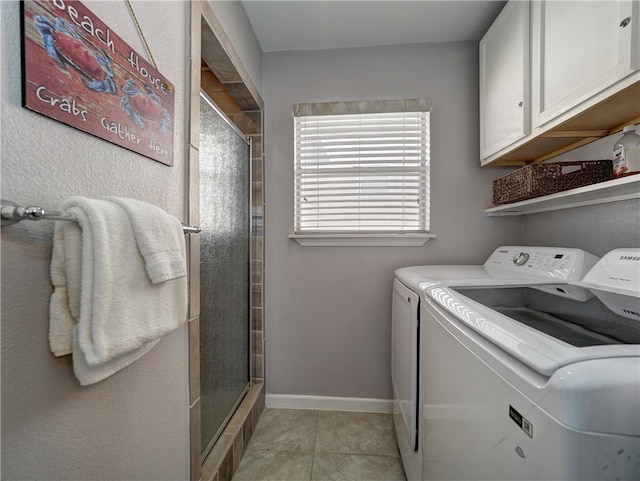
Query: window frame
column 390, row 237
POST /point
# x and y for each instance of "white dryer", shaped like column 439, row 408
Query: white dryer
column 509, row 266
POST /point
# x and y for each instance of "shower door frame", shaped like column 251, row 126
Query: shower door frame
column 204, row 96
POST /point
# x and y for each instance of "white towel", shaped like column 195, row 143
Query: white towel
column 104, row 308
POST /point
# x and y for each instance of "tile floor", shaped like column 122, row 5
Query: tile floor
column 300, row 445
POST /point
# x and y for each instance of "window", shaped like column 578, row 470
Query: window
column 362, row 168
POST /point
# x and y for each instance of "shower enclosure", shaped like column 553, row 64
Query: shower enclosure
column 225, row 283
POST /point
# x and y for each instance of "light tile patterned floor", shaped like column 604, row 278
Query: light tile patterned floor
column 298, row 445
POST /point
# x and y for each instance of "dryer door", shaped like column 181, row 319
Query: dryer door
column 404, row 364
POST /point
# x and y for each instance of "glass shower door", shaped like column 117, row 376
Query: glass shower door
column 225, row 203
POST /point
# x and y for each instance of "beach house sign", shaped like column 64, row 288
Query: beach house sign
column 79, row 72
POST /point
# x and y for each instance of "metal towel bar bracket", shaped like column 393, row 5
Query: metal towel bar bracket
column 12, row 213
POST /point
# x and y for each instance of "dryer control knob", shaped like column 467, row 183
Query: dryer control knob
column 521, row 259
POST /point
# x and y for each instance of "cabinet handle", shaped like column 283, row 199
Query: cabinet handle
column 520, row 104
column 625, row 22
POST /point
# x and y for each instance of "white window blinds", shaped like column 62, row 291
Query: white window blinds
column 362, row 171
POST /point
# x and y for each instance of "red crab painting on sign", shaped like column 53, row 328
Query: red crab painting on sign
column 79, row 72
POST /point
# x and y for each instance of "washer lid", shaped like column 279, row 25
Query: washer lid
column 507, row 317
column 414, row 277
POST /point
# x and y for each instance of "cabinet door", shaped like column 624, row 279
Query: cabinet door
column 504, row 79
column 579, row 49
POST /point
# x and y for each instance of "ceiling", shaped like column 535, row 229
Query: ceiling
column 329, row 24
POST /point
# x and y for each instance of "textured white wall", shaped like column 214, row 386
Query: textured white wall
column 328, row 308
column 135, row 424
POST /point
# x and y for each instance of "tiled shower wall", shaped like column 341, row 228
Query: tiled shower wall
column 257, row 247
column 216, row 68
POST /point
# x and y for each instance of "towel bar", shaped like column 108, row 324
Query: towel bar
column 12, row 213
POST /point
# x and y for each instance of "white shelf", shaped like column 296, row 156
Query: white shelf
column 610, row 191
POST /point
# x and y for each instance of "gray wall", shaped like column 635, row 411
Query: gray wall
column 328, row 308
column 596, row 229
column 135, row 424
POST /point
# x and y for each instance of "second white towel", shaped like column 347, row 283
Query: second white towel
column 160, row 239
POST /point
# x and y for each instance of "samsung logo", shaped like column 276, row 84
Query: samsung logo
column 630, row 258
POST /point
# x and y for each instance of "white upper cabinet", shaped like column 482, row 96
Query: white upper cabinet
column 504, row 79
column 555, row 75
column 579, row 49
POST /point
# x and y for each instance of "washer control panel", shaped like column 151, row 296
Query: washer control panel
column 564, row 264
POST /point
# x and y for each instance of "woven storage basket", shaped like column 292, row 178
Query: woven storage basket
column 534, row 180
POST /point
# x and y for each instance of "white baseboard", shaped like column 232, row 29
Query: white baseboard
column 328, row 403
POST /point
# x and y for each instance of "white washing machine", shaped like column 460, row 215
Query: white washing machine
column 539, row 383
column 508, row 265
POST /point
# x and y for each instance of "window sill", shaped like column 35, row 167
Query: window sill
column 376, row 240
